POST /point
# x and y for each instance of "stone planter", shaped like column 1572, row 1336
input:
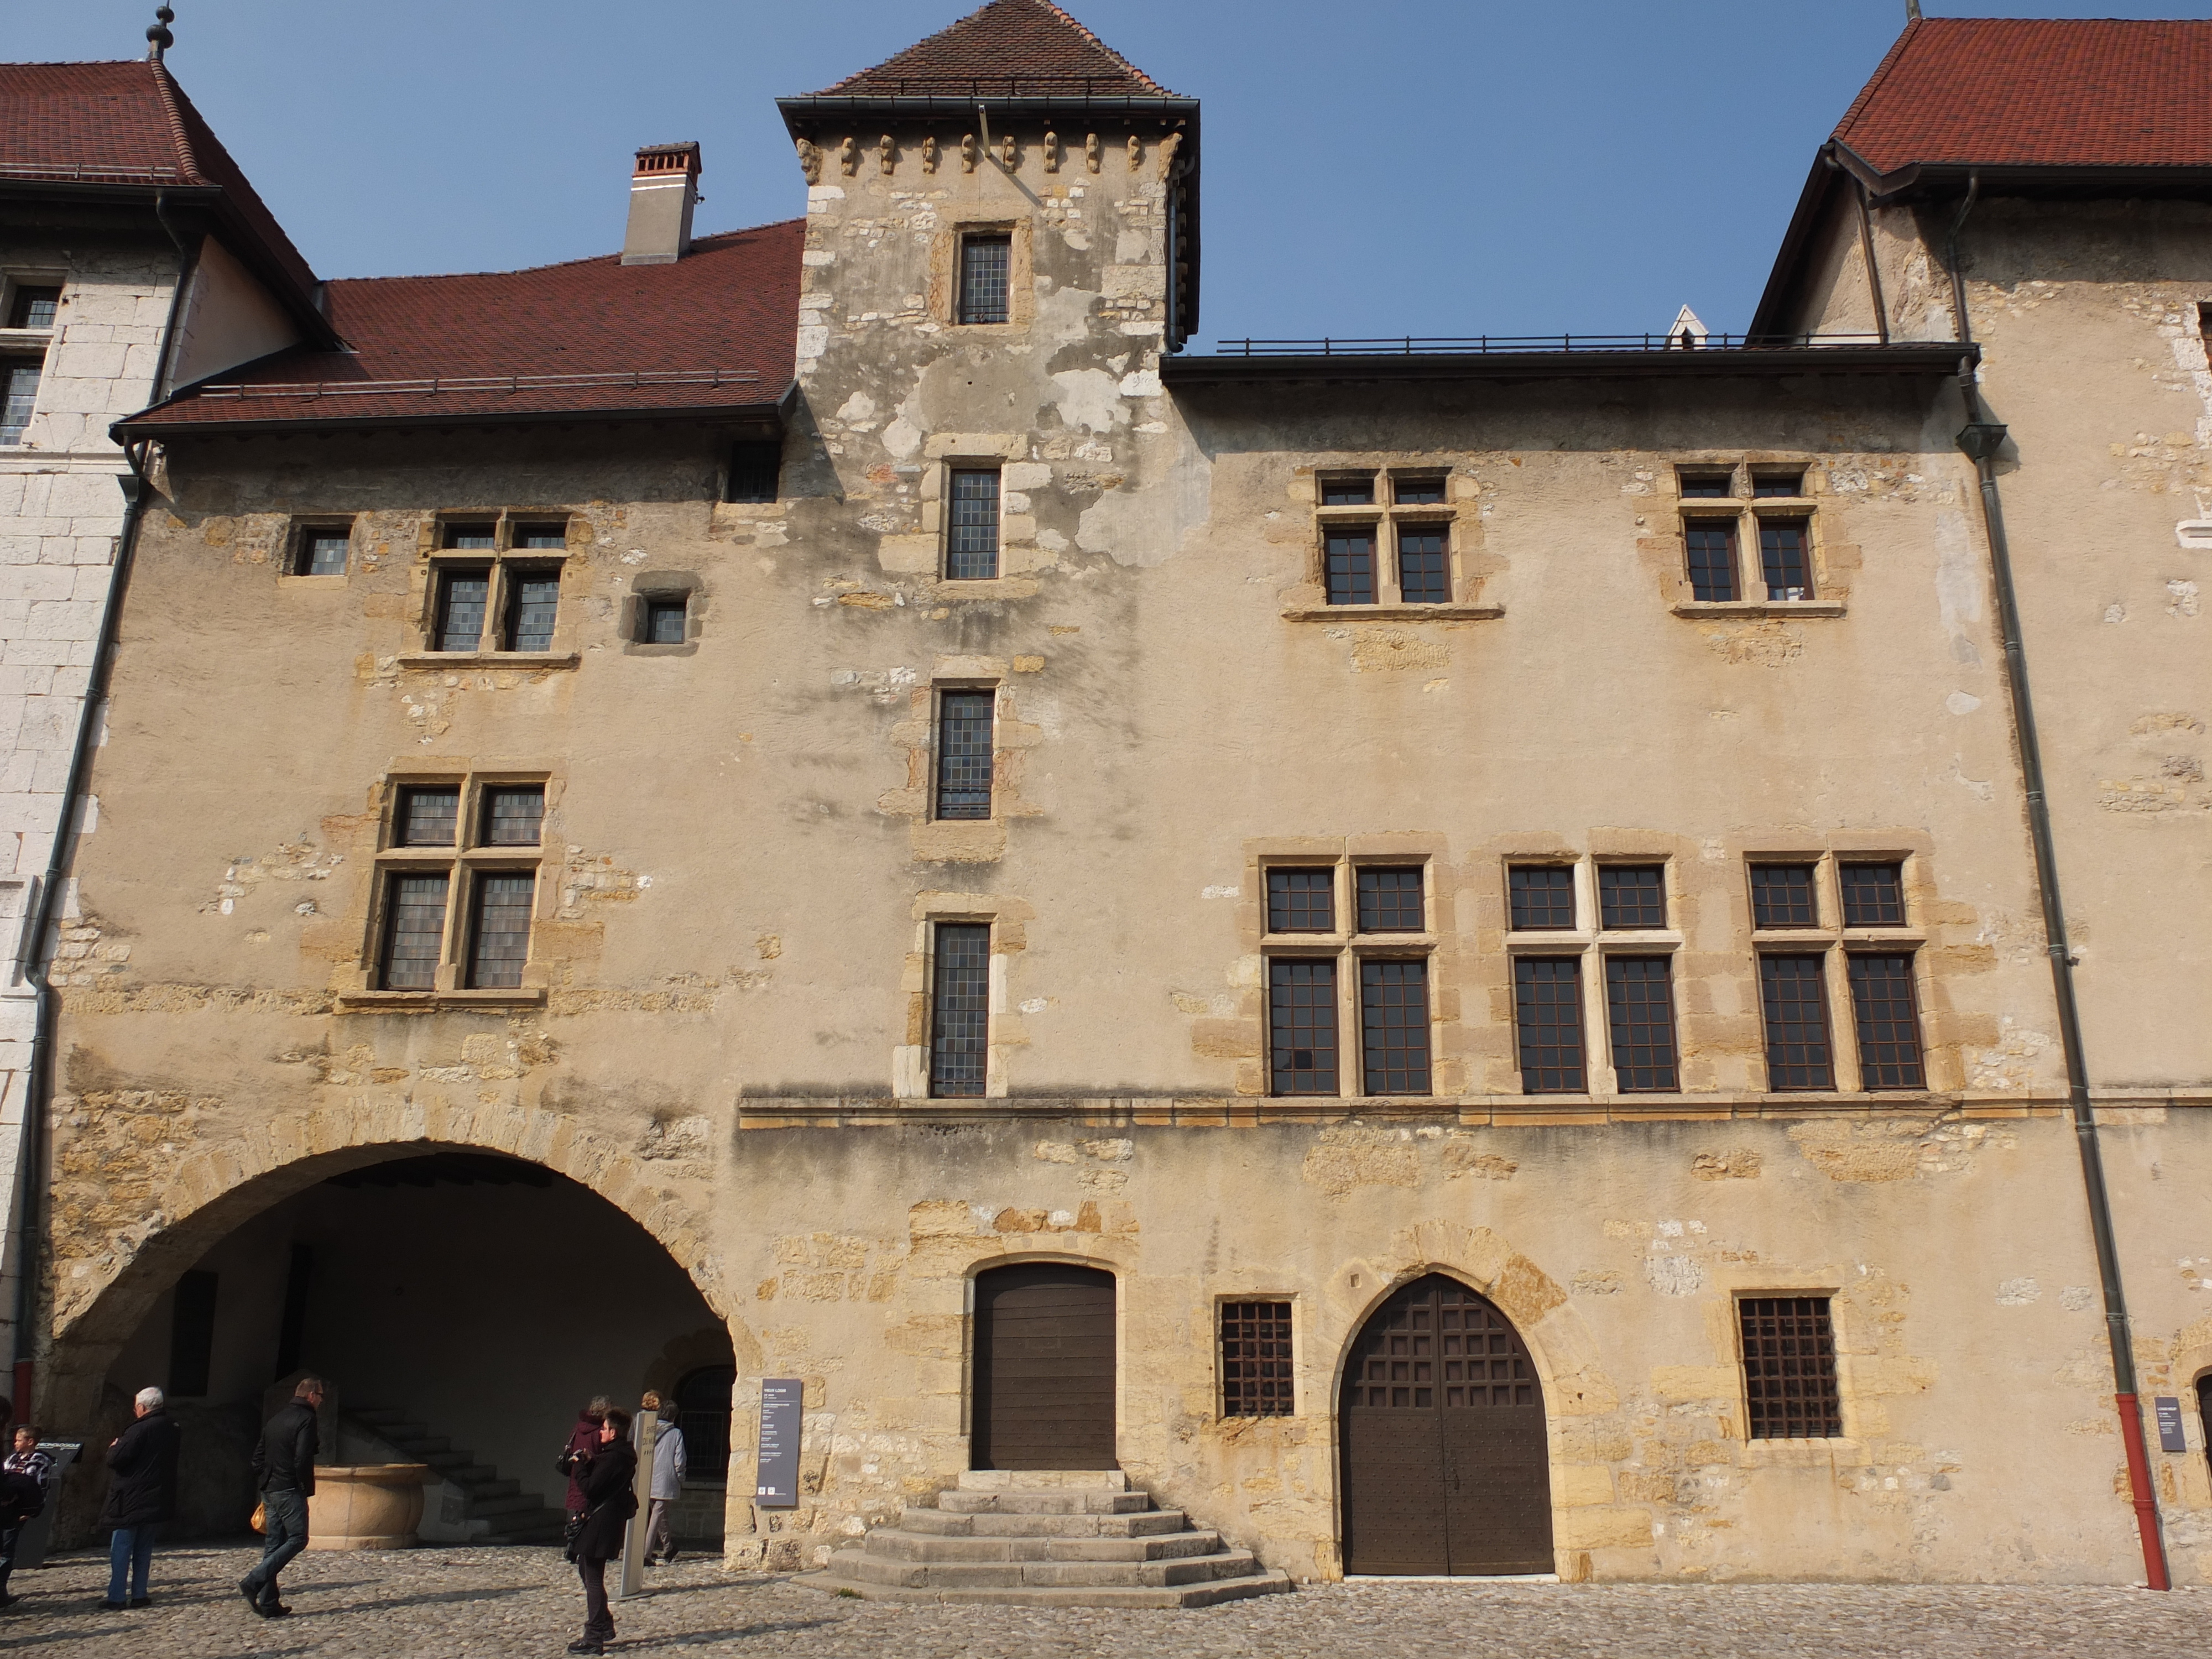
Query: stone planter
column 365, row 1506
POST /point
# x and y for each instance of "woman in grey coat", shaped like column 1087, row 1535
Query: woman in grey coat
column 669, row 1467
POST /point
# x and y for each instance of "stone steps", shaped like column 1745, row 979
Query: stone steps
column 1045, row 1538
column 510, row 1515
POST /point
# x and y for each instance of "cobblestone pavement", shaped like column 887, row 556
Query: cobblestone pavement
column 490, row 1604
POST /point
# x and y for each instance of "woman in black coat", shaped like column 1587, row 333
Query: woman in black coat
column 609, row 1481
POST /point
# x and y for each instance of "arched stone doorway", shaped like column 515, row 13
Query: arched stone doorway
column 1443, row 1459
column 464, row 1303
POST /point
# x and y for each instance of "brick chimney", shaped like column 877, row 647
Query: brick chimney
column 663, row 190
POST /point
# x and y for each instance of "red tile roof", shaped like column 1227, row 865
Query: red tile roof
column 1031, row 44
column 2001, row 92
column 126, row 124
column 718, row 329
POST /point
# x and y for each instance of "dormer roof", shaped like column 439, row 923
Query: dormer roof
column 1009, row 48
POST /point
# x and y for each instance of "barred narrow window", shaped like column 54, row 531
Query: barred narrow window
column 1782, row 552
column 19, row 399
column 322, row 550
column 755, row 466
column 1797, row 1008
column 463, row 594
column 963, row 754
column 1302, row 1027
column 1888, row 1022
column 499, row 933
column 513, row 817
column 960, row 1010
column 1302, row 901
column 532, row 597
column 1874, row 895
column 1632, row 896
column 1547, row 1007
column 414, row 928
column 1782, row 896
column 1390, row 900
column 1348, row 567
column 1711, row 546
column 1789, row 1368
column 984, row 266
column 1348, row 492
column 972, row 548
column 1542, row 894
column 426, row 817
column 1424, row 571
column 1640, row 1008
column 1394, row 1020
column 1256, row 1360
column 665, row 621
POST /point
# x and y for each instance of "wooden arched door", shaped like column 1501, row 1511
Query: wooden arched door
column 1440, row 1433
column 1044, row 1368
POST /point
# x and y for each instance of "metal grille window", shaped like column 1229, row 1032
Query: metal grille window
column 427, row 817
column 984, row 261
column 1302, row 901
column 1888, row 1022
column 514, row 818
column 755, row 466
column 1542, row 897
column 963, row 753
column 1782, row 554
column 960, row 1010
column 1631, row 895
column 19, row 399
column 414, row 932
column 972, row 549
column 499, row 933
column 1348, row 492
column 1789, row 1368
column 1393, row 1020
column 664, row 622
column 1782, row 896
column 1390, row 900
column 541, row 536
column 1417, row 492
column 1640, row 1007
column 34, row 307
column 1547, row 1007
column 1256, row 1360
column 1707, row 486
column 1790, row 482
column 1348, row 567
column 1423, row 567
column 533, row 597
column 471, row 533
column 464, row 594
column 322, row 550
column 1795, row 1004
column 1302, row 1027
column 1712, row 561
column 1874, row 895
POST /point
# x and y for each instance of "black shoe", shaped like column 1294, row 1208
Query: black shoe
column 274, row 1610
column 669, row 1559
column 252, row 1596
column 113, row 1607
column 142, row 1601
column 587, row 1645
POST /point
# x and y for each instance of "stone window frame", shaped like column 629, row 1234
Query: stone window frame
column 662, row 586
column 937, row 687
column 1835, row 944
column 1591, row 943
column 1005, row 917
column 465, row 863
column 943, row 296
column 1746, row 511
column 434, row 559
column 1308, row 600
column 1222, row 1300
column 288, row 571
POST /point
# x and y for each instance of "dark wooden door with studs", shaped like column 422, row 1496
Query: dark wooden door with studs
column 1445, row 1469
column 1044, row 1368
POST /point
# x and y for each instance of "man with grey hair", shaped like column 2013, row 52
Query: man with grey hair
column 142, row 1494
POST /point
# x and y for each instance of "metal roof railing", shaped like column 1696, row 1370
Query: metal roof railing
column 478, row 383
column 78, row 172
column 1476, row 345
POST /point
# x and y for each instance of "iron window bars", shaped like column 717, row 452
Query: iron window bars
column 1380, row 960
column 418, row 945
column 1256, row 1360
column 960, row 1010
column 755, row 466
column 1352, row 568
column 1715, row 511
column 506, row 601
column 1789, row 1349
column 1804, row 920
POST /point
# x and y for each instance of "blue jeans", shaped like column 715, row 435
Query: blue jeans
column 284, row 1520
column 130, row 1550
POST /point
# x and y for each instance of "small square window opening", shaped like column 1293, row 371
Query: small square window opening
column 427, row 817
column 513, row 817
column 1782, row 896
column 665, row 620
column 323, row 552
column 1302, row 901
column 1390, row 900
column 755, row 465
column 1874, row 895
column 34, row 307
column 1256, row 1360
column 1542, row 897
column 972, row 548
column 984, row 260
column 1789, row 1368
column 1631, row 895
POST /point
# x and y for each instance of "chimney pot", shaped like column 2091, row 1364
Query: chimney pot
column 664, row 188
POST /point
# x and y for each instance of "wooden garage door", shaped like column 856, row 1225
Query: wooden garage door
column 1442, row 1434
column 1044, row 1368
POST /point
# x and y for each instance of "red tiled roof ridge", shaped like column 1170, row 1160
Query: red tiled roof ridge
column 985, row 31
column 697, row 242
column 167, row 90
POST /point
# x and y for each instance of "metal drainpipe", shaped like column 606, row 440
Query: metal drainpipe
column 1980, row 440
column 35, row 964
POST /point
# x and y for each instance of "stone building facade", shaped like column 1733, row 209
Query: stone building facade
column 900, row 786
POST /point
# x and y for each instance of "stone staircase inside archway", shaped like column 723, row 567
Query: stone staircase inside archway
column 509, row 1514
column 1045, row 1538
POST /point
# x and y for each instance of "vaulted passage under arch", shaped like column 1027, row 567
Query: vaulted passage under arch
column 450, row 1296
column 1441, row 1431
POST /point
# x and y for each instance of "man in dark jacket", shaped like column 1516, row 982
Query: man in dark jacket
column 609, row 1480
column 284, row 1470
column 142, row 1494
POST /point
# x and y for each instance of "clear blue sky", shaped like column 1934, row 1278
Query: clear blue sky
column 1423, row 166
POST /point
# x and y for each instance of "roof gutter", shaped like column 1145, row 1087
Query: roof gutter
column 150, row 425
column 1980, row 440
